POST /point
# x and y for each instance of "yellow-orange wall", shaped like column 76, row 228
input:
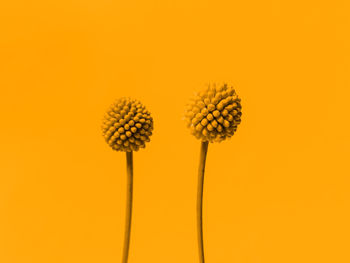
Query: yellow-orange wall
column 278, row 191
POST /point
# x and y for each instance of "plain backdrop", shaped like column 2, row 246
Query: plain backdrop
column 278, row 191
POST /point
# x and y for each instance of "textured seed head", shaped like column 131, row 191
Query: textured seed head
column 214, row 114
column 127, row 125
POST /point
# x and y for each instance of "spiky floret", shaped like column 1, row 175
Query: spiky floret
column 127, row 125
column 214, row 114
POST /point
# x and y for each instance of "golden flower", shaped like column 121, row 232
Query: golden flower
column 214, row 114
column 127, row 125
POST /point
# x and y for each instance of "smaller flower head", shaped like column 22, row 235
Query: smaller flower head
column 127, row 125
column 214, row 114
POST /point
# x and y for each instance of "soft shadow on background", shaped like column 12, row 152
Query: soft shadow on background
column 278, row 191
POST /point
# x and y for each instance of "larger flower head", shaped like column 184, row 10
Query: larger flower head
column 214, row 114
column 127, row 125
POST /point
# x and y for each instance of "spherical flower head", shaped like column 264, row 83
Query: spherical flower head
column 214, row 114
column 127, row 125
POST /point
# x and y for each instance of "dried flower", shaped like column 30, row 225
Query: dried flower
column 127, row 125
column 214, row 114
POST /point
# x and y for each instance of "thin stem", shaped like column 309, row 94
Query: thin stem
column 201, row 169
column 128, row 213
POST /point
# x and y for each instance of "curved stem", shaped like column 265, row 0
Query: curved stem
column 201, row 169
column 128, row 213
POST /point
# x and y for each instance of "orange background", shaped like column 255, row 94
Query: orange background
column 278, row 191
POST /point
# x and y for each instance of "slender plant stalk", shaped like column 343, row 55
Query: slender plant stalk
column 201, row 169
column 128, row 214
